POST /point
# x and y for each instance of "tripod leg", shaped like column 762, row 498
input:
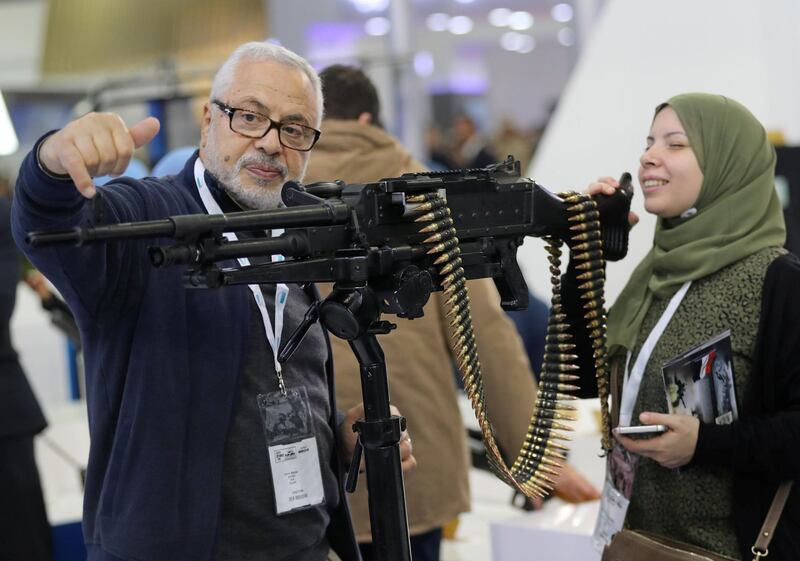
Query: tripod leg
column 380, row 435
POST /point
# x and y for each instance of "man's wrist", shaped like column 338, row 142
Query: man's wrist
column 43, row 168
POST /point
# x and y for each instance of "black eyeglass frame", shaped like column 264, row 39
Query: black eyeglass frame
column 231, row 111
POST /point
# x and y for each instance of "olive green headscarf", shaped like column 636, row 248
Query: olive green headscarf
column 738, row 211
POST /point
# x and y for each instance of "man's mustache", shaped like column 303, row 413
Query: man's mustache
column 263, row 161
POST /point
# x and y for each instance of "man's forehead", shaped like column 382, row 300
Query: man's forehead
column 273, row 86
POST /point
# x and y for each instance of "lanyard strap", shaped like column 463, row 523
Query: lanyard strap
column 630, row 388
column 281, row 291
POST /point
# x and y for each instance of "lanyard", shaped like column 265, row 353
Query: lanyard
column 281, row 291
column 630, row 389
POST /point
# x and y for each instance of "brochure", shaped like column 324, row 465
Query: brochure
column 700, row 382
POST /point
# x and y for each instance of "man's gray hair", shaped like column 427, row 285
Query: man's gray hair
column 264, row 51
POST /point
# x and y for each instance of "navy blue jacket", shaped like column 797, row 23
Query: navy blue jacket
column 163, row 365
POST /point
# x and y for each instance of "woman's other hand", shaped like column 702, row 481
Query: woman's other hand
column 674, row 448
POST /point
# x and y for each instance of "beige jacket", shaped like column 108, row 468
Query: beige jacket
column 419, row 358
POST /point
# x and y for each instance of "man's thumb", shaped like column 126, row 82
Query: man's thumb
column 144, row 131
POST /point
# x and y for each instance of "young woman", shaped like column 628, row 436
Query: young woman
column 716, row 264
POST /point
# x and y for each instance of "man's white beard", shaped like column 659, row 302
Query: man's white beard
column 261, row 196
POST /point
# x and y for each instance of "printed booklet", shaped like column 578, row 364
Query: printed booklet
column 700, row 382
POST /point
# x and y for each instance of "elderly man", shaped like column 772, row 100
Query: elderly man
column 183, row 388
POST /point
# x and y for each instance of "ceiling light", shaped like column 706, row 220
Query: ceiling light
column 437, row 22
column 367, row 6
column 423, row 63
column 8, row 137
column 520, row 21
column 460, row 25
column 526, row 44
column 377, row 26
column 566, row 36
column 511, row 40
column 562, row 13
column 499, row 17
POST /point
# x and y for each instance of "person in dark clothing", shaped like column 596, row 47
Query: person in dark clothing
column 183, row 386
column 471, row 149
column 717, row 264
column 531, row 324
column 24, row 530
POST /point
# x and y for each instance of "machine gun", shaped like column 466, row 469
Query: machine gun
column 387, row 246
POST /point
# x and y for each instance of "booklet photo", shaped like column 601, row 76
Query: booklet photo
column 700, row 382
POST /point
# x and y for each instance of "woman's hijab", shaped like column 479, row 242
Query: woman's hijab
column 738, row 210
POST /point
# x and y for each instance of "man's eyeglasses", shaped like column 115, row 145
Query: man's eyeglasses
column 255, row 125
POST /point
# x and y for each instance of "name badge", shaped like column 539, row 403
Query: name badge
column 620, row 470
column 292, row 450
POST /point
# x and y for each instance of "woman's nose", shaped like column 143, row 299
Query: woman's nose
column 649, row 157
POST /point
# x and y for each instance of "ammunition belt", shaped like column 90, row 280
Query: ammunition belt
column 542, row 454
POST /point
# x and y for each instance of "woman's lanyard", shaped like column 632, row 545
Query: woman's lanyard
column 630, row 388
column 281, row 290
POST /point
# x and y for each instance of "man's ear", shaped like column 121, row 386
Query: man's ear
column 205, row 124
column 365, row 118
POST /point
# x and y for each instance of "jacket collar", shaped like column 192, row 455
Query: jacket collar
column 220, row 195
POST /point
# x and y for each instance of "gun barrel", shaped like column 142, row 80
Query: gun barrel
column 190, row 226
column 88, row 234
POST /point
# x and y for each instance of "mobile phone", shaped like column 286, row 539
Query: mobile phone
column 641, row 429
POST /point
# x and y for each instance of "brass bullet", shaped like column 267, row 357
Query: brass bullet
column 558, row 415
column 590, row 265
column 454, row 264
column 592, row 304
column 558, row 377
column 453, row 311
column 585, row 226
column 590, row 285
column 438, row 226
column 588, row 246
column 432, row 204
column 580, row 207
column 422, row 197
column 559, row 357
column 449, row 279
column 561, row 387
column 593, row 314
column 592, row 295
column 444, row 246
column 435, row 215
column 552, row 405
column 557, row 337
column 589, row 275
column 587, row 236
column 560, row 348
column 588, row 255
column 584, row 216
column 439, row 236
column 449, row 256
column 559, row 367
column 457, row 285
